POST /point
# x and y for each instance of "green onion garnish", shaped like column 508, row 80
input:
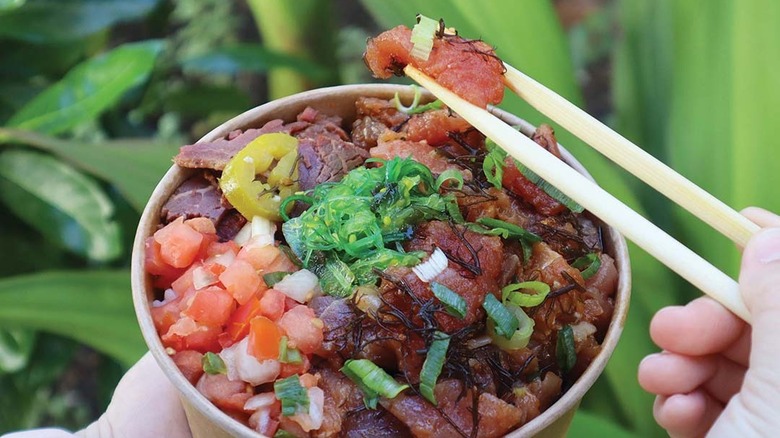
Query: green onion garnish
column 511, row 293
column 449, row 174
column 511, row 231
column 506, row 322
column 433, row 364
column 287, row 354
column 281, row 433
column 453, row 303
column 213, row 364
column 565, row 351
column 520, row 337
column 293, row 396
column 272, row 278
column 590, row 262
column 493, row 163
column 372, row 380
column 422, row 37
column 415, row 101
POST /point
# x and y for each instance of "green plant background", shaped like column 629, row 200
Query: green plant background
column 96, row 96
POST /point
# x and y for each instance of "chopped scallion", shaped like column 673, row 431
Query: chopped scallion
column 549, row 188
column 434, row 361
column 422, row 37
column 511, row 231
column 565, row 350
column 272, row 278
column 520, row 337
column 506, row 323
column 292, row 394
column 493, row 164
column 287, row 354
column 281, row 433
column 511, row 293
column 449, row 174
column 453, row 303
column 589, row 264
column 213, row 364
column 372, row 380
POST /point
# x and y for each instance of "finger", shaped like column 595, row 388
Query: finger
column 669, row 373
column 762, row 218
column 687, row 415
column 700, row 328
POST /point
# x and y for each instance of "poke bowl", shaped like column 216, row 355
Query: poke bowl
column 536, row 387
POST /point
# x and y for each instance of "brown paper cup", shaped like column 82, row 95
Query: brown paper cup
column 206, row 420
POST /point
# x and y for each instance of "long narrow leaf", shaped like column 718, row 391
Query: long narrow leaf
column 93, row 307
column 254, row 58
column 586, row 424
column 62, row 204
column 89, row 89
column 133, row 166
column 43, row 21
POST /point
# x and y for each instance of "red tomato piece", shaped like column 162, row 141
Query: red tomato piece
column 241, row 280
column 166, row 315
column 264, row 338
column 259, row 256
column 272, row 304
column 185, row 334
column 238, row 324
column 290, row 369
column 179, row 243
column 183, row 284
column 190, row 364
column 223, row 392
column 210, row 306
column 303, row 329
column 202, row 225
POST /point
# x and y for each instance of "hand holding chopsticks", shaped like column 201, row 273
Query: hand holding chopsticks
column 652, row 239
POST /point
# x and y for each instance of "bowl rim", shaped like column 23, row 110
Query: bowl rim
column 254, row 117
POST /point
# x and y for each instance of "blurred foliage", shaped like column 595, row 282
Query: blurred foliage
column 96, row 95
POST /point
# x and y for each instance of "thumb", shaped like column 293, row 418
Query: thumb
column 759, row 282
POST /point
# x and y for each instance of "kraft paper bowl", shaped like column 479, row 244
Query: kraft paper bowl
column 205, row 419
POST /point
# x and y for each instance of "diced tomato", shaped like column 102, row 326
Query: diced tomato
column 183, row 284
column 190, row 364
column 223, row 392
column 179, row 243
column 164, row 273
column 202, row 225
column 264, row 338
column 185, row 334
column 166, row 315
column 210, row 306
column 259, row 256
column 220, row 248
column 241, row 280
column 272, row 304
column 290, row 369
column 290, row 303
column 308, row 380
column 530, row 192
column 238, row 324
column 303, row 329
column 281, row 264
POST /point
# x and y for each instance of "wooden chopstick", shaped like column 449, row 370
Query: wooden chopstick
column 632, row 158
column 652, row 239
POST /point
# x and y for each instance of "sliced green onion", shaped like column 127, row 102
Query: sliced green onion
column 549, row 188
column 435, row 105
column 293, row 396
column 422, row 36
column 565, row 351
column 281, row 433
column 434, row 361
column 511, row 293
column 213, row 364
column 272, row 278
column 372, row 380
column 520, row 337
column 493, row 163
column 590, row 262
column 512, row 231
column 415, row 101
column 453, row 303
column 287, row 354
column 449, row 174
column 506, row 323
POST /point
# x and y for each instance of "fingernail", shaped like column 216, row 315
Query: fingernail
column 766, row 245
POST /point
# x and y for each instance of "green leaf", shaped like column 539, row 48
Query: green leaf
column 133, row 166
column 89, row 89
column 586, row 424
column 16, row 345
column 67, row 207
column 44, row 21
column 254, row 58
column 93, row 307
